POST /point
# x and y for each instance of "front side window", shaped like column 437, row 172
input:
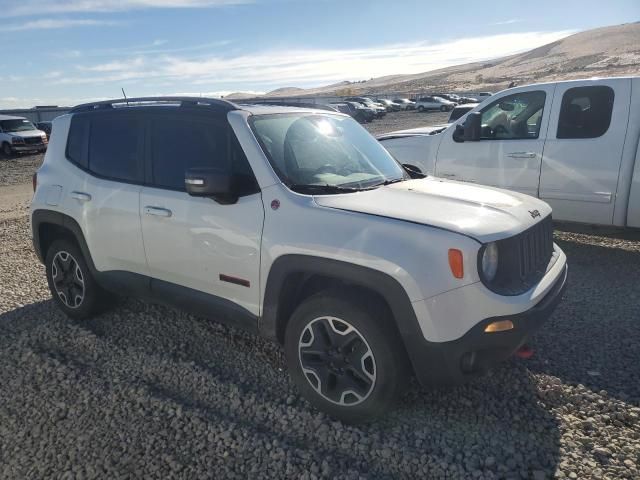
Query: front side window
column 514, row 117
column 115, row 147
column 311, row 150
column 179, row 143
column 585, row 112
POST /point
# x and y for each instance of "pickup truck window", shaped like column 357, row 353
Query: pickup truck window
column 585, row 112
column 514, row 117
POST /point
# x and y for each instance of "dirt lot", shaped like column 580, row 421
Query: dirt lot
column 148, row 391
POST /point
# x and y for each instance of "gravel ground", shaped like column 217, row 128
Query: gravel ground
column 404, row 120
column 148, row 391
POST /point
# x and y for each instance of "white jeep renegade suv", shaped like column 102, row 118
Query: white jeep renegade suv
column 295, row 224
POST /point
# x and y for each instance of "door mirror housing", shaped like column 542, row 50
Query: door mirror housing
column 212, row 183
column 471, row 131
column 413, row 171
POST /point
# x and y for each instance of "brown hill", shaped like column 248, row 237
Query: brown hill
column 607, row 51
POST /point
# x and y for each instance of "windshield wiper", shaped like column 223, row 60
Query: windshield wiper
column 388, row 182
column 311, row 188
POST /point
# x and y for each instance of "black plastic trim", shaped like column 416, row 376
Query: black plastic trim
column 215, row 103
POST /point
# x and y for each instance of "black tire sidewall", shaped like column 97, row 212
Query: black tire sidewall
column 93, row 295
column 388, row 352
column 7, row 151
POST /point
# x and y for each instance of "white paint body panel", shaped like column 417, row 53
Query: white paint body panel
column 584, row 180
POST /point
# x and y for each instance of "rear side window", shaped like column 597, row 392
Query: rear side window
column 78, row 141
column 585, row 112
column 180, row 143
column 115, row 147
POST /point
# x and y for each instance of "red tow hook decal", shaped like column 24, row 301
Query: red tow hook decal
column 525, row 352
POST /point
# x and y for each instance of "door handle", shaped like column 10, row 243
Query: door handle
column 522, row 154
column 157, row 211
column 447, row 175
column 82, row 196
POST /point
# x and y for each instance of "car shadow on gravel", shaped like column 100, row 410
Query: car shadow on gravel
column 594, row 335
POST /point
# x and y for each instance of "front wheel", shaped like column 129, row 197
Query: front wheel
column 345, row 357
column 421, row 108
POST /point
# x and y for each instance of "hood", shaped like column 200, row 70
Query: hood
column 484, row 213
column 413, row 131
column 27, row 133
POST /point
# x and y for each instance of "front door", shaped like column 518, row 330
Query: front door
column 512, row 140
column 196, row 242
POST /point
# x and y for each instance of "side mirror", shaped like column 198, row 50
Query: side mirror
column 471, row 131
column 413, row 171
column 209, row 182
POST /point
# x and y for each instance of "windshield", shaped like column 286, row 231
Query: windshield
column 326, row 151
column 19, row 125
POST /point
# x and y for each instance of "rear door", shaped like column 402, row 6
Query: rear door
column 583, row 152
column 196, row 242
column 104, row 199
column 512, row 141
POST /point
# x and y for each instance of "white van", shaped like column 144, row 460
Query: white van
column 573, row 144
column 17, row 135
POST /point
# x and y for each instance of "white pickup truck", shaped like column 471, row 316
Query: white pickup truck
column 573, row 144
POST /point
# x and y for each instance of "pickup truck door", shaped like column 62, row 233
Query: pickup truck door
column 583, row 151
column 196, row 242
column 509, row 153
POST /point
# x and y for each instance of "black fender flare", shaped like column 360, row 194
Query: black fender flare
column 379, row 282
column 43, row 216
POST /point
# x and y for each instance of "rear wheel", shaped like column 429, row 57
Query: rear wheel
column 421, row 108
column 71, row 283
column 344, row 356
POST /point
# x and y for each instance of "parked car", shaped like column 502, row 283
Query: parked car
column 367, row 102
column 405, row 103
column 45, row 127
column 574, row 144
column 460, row 110
column 390, row 106
column 18, row 135
column 434, row 103
column 360, row 113
column 448, row 96
column 297, row 225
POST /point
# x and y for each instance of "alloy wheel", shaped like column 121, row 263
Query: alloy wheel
column 68, row 279
column 337, row 361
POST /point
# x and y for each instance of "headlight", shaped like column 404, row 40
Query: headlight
column 490, row 261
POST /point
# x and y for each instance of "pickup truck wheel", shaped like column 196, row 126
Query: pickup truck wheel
column 421, row 108
column 7, row 151
column 72, row 286
column 345, row 357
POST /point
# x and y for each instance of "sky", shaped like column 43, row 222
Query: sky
column 64, row 52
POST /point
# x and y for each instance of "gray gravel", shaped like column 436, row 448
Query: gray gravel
column 147, row 391
column 404, row 120
column 18, row 169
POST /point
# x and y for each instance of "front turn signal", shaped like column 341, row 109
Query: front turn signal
column 499, row 326
column 456, row 263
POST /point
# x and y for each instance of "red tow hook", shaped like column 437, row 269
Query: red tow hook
column 525, row 351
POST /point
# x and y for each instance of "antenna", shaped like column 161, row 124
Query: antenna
column 125, row 95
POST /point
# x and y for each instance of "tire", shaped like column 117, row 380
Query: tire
column 77, row 282
column 443, row 108
column 360, row 383
column 7, row 151
column 421, row 108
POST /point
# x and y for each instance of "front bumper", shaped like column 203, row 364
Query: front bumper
column 36, row 147
column 453, row 362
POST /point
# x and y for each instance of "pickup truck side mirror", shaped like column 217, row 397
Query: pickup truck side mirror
column 471, row 130
column 209, row 182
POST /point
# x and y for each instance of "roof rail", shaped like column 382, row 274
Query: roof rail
column 224, row 105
